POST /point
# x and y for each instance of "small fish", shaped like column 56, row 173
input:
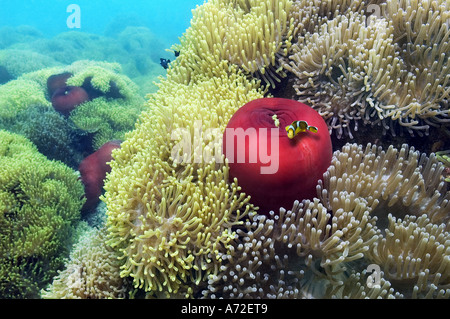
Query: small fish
column 299, row 126
column 164, row 63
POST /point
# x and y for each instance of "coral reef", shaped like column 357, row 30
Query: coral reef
column 18, row 62
column 20, row 34
column 111, row 104
column 71, row 46
column 178, row 224
column 369, row 201
column 136, row 48
column 142, row 44
column 40, row 202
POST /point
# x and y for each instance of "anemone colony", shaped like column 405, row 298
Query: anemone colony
column 179, row 227
column 175, row 218
column 40, row 205
column 375, row 207
column 353, row 70
column 391, row 68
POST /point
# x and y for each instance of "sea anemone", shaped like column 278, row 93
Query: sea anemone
column 57, row 81
column 390, row 69
column 106, row 119
column 18, row 95
column 415, row 257
column 252, row 34
column 444, row 157
column 273, row 168
column 92, row 271
column 67, row 98
column 409, row 209
column 381, row 209
column 299, row 254
column 418, row 96
column 308, row 16
column 171, row 209
column 93, row 170
column 40, row 202
column 48, row 130
column 334, row 69
column 397, row 181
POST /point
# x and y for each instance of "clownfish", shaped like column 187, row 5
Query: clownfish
column 299, row 126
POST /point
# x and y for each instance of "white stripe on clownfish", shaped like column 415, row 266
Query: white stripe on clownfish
column 298, row 127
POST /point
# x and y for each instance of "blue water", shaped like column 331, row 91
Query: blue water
column 168, row 19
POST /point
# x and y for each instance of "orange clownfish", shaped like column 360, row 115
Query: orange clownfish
column 299, row 126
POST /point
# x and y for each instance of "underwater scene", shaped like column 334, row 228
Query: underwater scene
column 225, row 149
